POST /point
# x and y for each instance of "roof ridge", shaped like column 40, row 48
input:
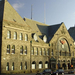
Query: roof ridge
column 55, row 24
column 36, row 21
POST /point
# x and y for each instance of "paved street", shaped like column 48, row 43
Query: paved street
column 33, row 74
column 69, row 74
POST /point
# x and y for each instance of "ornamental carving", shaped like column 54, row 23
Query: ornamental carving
column 63, row 31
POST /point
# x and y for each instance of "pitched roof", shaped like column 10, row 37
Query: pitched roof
column 53, row 28
column 71, row 31
column 10, row 14
column 36, row 26
column 42, row 29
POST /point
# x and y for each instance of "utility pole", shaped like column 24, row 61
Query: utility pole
column 44, row 13
column 31, row 12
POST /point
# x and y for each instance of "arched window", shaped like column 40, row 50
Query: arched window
column 45, row 38
column 15, row 35
column 13, row 49
column 21, row 36
column 8, row 34
column 40, row 65
column 7, row 66
column 46, row 64
column 21, row 50
column 32, row 51
column 33, row 65
column 26, row 37
column 8, row 49
column 13, row 66
column 25, row 50
column 40, row 52
column 25, row 65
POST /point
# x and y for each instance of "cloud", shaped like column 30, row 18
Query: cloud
column 17, row 5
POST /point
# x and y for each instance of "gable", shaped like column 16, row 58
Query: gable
column 61, row 32
column 11, row 15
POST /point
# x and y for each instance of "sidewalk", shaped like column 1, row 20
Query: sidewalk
column 21, row 74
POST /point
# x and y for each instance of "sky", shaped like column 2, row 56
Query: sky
column 47, row 11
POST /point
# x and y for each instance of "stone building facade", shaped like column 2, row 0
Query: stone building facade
column 29, row 46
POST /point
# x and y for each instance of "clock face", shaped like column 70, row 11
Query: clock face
column 62, row 45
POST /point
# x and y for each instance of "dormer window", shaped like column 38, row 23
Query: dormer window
column 45, row 38
column 35, row 37
column 74, row 43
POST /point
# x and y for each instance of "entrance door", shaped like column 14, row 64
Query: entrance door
column 68, row 65
column 64, row 66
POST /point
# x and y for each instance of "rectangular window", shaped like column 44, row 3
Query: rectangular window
column 32, row 51
column 21, row 36
column 8, row 34
column 13, row 66
column 8, row 49
column 36, row 51
column 47, row 52
column 33, row 66
column 7, row 67
column 52, row 52
column 25, row 65
column 21, row 66
column 40, row 66
column 40, row 51
column 13, row 49
column 15, row 35
column 44, row 52
column 25, row 51
column 26, row 37
column 21, row 50
column 46, row 65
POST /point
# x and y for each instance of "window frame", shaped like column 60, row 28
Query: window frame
column 15, row 35
column 8, row 34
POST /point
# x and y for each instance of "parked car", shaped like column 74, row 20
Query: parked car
column 58, row 72
column 71, row 71
column 45, row 72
